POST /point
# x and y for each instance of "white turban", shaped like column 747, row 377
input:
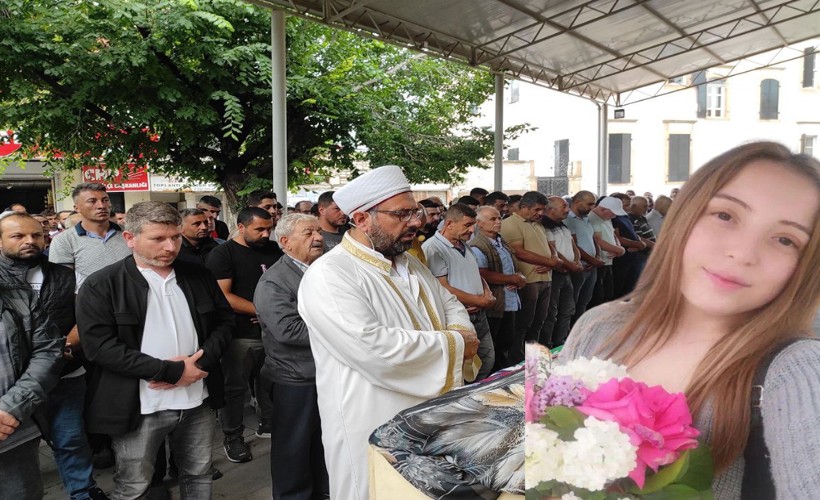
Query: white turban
column 368, row 190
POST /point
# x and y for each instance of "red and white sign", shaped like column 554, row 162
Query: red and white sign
column 8, row 146
column 128, row 178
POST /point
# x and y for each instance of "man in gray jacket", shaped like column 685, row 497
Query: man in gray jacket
column 31, row 352
column 297, row 461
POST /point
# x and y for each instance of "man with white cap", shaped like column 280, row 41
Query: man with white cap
column 604, row 236
column 384, row 333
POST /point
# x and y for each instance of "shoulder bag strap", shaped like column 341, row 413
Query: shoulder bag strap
column 758, row 483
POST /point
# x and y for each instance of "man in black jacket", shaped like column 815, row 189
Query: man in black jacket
column 154, row 329
column 297, row 462
column 22, row 262
column 196, row 240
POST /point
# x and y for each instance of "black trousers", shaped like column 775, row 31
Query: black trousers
column 297, row 458
column 604, row 287
column 503, row 331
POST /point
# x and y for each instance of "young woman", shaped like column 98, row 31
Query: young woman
column 733, row 276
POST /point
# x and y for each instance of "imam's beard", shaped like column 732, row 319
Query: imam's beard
column 387, row 245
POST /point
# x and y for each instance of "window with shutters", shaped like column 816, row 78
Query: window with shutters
column 620, row 158
column 715, row 99
column 807, row 144
column 512, row 154
column 810, row 67
column 769, row 97
column 711, row 96
column 678, row 161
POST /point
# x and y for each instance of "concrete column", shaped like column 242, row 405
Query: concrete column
column 603, row 148
column 279, row 106
column 499, row 133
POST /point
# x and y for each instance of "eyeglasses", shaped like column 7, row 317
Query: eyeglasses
column 403, row 215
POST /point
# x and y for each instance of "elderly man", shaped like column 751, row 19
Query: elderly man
column 530, row 241
column 154, row 329
column 455, row 266
column 297, row 463
column 497, row 266
column 656, row 216
column 384, row 333
column 555, row 330
column 604, row 235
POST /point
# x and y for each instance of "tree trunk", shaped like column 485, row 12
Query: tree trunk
column 232, row 184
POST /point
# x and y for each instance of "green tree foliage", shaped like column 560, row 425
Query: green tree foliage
column 184, row 86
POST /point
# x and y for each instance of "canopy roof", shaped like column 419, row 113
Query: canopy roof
column 615, row 51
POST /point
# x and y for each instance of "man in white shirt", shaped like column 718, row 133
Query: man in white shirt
column 155, row 329
column 604, row 235
column 384, row 333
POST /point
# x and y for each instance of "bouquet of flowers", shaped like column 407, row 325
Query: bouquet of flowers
column 594, row 433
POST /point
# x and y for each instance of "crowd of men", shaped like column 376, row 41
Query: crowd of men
column 120, row 332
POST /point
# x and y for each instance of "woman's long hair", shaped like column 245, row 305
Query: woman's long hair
column 723, row 379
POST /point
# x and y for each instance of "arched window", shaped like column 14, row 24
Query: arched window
column 769, row 97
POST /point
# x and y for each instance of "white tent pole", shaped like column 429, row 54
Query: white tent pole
column 603, row 148
column 499, row 132
column 278, row 106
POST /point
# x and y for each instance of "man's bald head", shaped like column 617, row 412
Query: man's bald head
column 638, row 205
column 662, row 204
column 582, row 203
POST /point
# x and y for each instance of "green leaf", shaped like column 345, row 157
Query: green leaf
column 565, row 421
column 667, row 475
column 700, row 472
column 679, row 492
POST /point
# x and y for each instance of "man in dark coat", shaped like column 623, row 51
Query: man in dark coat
column 297, row 460
column 155, row 329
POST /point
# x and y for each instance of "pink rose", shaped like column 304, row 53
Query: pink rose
column 658, row 423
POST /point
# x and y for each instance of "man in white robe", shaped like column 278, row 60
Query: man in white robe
column 385, row 334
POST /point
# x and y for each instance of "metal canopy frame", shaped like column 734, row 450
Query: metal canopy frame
column 612, row 51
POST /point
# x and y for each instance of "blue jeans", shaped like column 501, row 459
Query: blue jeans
column 20, row 468
column 72, row 454
column 191, row 435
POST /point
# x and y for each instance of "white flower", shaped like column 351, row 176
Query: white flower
column 543, row 454
column 570, row 496
column 591, row 372
column 601, row 453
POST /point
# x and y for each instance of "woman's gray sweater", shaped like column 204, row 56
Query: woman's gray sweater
column 791, row 407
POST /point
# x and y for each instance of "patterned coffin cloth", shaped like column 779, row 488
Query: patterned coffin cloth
column 468, row 443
